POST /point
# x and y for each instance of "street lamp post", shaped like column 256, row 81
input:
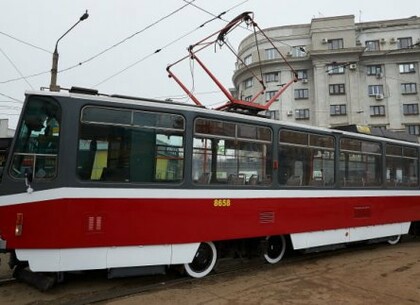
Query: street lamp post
column 54, row 69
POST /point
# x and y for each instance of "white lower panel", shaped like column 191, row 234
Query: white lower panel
column 55, row 260
column 332, row 237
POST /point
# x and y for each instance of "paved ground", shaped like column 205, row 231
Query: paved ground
column 377, row 275
column 382, row 275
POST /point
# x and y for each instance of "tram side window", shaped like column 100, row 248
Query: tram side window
column 231, row 153
column 130, row 146
column 306, row 159
column 36, row 148
column 401, row 166
column 360, row 163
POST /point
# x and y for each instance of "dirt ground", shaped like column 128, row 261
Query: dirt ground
column 384, row 275
column 377, row 275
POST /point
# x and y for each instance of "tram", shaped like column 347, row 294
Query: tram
column 96, row 181
column 102, row 182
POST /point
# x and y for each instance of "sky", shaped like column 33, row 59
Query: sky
column 114, row 50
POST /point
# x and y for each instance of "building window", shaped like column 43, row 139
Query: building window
column 335, row 69
column 372, row 45
column 338, row 110
column 334, row 44
column 409, row 88
column 302, row 74
column 407, row 68
column 248, row 83
column 270, row 53
column 273, row 114
column 248, row 98
column 375, row 90
column 413, row 129
column 302, row 114
column 301, row 94
column 248, row 60
column 271, row 77
column 269, row 95
column 405, row 43
column 336, row 89
column 298, row 51
column 377, row 110
column 374, row 69
column 411, row 109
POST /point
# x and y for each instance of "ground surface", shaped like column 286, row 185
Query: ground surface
column 377, row 275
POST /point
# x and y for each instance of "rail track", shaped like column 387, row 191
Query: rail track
column 104, row 290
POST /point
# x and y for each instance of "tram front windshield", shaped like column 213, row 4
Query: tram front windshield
column 36, row 148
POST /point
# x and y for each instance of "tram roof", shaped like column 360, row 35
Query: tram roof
column 350, row 130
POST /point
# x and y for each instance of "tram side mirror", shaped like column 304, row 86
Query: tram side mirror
column 28, row 180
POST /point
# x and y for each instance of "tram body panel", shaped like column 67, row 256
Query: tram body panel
column 75, row 222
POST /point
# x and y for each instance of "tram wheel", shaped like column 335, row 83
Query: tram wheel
column 203, row 262
column 275, row 249
column 393, row 240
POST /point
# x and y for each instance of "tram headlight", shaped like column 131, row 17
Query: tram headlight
column 19, row 224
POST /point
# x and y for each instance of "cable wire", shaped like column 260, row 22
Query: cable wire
column 129, row 37
column 164, row 47
column 9, row 97
column 102, row 52
column 16, row 68
column 24, row 42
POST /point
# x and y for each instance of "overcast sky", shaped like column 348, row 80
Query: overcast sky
column 116, row 44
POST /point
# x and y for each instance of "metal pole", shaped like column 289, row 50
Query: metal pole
column 54, row 70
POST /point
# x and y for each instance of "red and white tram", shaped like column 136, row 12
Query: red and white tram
column 101, row 182
column 110, row 182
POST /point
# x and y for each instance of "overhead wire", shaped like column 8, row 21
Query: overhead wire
column 24, row 42
column 101, row 52
column 16, row 68
column 167, row 45
column 11, row 98
column 129, row 37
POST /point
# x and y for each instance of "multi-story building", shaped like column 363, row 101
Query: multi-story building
column 5, row 131
column 349, row 73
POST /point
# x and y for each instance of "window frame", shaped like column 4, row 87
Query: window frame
column 375, row 43
column 335, row 44
column 302, row 114
column 404, row 42
column 248, row 83
column 374, row 69
column 374, row 90
column 118, row 146
column 337, row 89
column 248, row 59
column 405, row 68
column 336, row 69
column 377, row 111
column 411, row 109
column 408, row 88
column 271, row 77
column 270, row 53
column 301, row 94
column 338, row 110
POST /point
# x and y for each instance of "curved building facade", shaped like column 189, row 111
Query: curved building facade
column 349, row 73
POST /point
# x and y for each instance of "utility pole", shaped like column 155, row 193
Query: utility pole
column 54, row 69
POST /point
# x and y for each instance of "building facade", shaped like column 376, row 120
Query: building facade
column 349, row 73
column 5, row 131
